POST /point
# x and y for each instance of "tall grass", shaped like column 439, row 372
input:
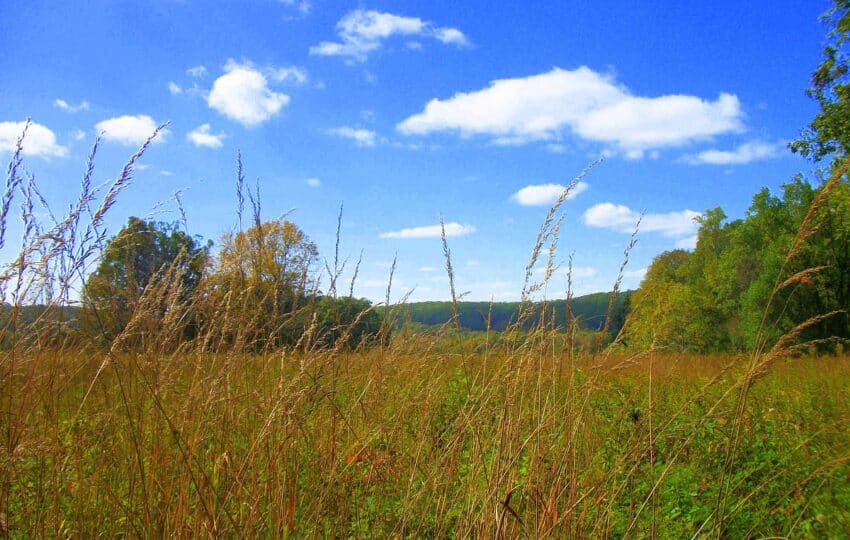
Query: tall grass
column 223, row 432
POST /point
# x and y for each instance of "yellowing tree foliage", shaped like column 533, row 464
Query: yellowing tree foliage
column 262, row 279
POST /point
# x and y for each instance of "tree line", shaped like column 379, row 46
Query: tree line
column 261, row 291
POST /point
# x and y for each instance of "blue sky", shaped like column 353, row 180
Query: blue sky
column 403, row 111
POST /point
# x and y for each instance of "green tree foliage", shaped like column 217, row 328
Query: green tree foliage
column 714, row 298
column 140, row 254
column 829, row 132
column 352, row 319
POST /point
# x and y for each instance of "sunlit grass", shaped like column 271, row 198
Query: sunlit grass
column 398, row 443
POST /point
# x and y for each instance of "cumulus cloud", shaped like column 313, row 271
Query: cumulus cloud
column 590, row 105
column 545, row 194
column 40, row 141
column 130, row 130
column 361, row 137
column 430, row 231
column 362, row 32
column 743, row 154
column 621, row 218
column 243, row 94
column 174, row 88
column 314, row 182
column 67, row 107
column 203, row 136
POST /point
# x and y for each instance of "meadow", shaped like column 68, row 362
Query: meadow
column 412, row 441
column 242, row 398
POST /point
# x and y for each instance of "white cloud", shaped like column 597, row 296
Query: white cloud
column 197, row 71
column 744, row 153
column 78, row 134
column 451, row 36
column 579, row 272
column 290, row 74
column 637, row 124
column 130, row 130
column 40, row 141
column 67, row 107
column 203, row 136
column 545, row 194
column 590, row 105
column 303, row 6
column 621, row 218
column 689, row 242
column 362, row 32
column 583, row 272
column 428, row 269
column 314, row 182
column 639, row 273
column 243, row 94
column 165, row 172
column 174, row 88
column 430, row 231
column 362, row 137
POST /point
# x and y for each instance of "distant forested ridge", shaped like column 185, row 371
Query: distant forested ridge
column 589, row 311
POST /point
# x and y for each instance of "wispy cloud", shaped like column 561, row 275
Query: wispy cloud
column 243, row 94
column 40, row 141
column 578, row 272
column 545, row 194
column 621, row 218
column 174, row 88
column 638, row 273
column 302, row 6
column 203, row 136
column 289, row 74
column 67, row 107
column 130, row 130
column 197, row 71
column 742, row 154
column 362, row 32
column 582, row 102
column 361, row 137
column 430, row 231
column 689, row 242
column 314, row 182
